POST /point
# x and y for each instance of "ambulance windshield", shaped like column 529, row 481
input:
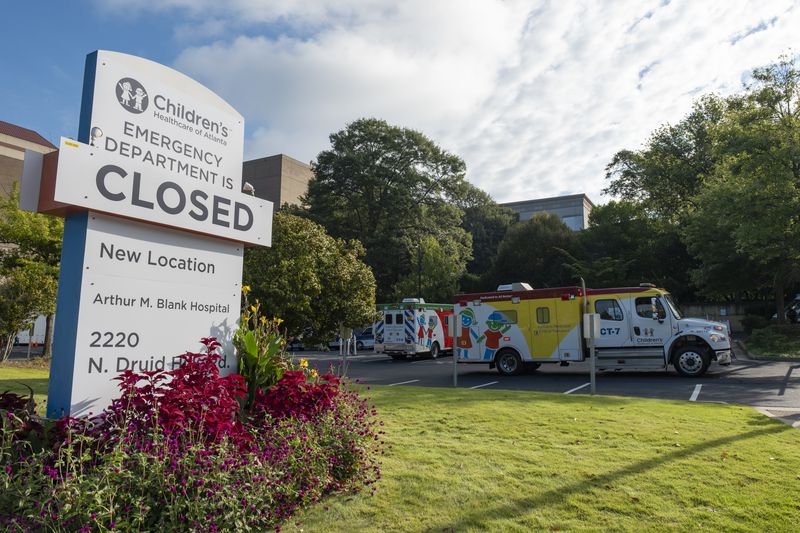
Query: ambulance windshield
column 674, row 308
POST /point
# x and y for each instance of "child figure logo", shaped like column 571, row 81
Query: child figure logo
column 131, row 95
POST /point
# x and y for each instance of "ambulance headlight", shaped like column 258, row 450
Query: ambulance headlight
column 718, row 338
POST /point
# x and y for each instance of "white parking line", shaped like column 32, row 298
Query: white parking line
column 484, row 385
column 696, row 392
column 577, row 388
column 403, row 382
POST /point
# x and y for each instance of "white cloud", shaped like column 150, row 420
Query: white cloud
column 535, row 96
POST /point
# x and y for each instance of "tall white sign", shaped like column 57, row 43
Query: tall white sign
column 149, row 294
column 154, row 238
column 158, row 117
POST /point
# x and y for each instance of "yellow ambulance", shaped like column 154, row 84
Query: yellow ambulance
column 640, row 328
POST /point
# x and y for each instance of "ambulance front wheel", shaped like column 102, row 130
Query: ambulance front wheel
column 434, row 350
column 691, row 362
column 359, row 345
column 508, row 362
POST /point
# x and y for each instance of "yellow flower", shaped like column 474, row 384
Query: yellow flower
column 303, row 363
column 313, row 373
column 263, row 320
column 245, row 289
column 278, row 321
column 253, row 308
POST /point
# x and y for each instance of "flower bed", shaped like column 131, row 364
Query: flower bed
column 182, row 450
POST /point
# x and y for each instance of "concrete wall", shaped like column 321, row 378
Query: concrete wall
column 12, row 155
column 278, row 178
column 719, row 312
column 573, row 209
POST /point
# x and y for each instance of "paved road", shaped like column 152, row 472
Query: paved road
column 748, row 382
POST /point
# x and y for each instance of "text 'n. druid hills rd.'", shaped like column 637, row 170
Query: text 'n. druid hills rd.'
column 745, row 382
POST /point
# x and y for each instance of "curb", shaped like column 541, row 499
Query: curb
column 791, row 418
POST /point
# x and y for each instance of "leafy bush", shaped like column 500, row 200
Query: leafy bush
column 174, row 453
column 776, row 340
column 260, row 349
column 753, row 322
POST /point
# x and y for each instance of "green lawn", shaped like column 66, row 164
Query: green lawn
column 464, row 460
column 520, row 461
column 12, row 377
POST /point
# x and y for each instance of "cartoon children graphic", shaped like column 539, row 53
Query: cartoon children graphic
column 431, row 327
column 421, row 332
column 464, row 340
column 497, row 326
column 126, row 93
column 139, row 97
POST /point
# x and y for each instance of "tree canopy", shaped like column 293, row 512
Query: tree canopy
column 727, row 179
column 30, row 254
column 624, row 246
column 537, row 251
column 668, row 172
column 753, row 200
column 315, row 283
column 390, row 188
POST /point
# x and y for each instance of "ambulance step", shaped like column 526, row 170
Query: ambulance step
column 630, row 364
column 640, row 358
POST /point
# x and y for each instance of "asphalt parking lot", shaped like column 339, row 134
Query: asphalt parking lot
column 768, row 385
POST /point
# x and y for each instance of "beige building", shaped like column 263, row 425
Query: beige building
column 278, row 178
column 573, row 209
column 14, row 140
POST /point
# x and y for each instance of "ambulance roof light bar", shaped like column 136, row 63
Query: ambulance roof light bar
column 517, row 286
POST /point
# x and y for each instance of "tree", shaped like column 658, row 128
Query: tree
column 27, row 289
column 538, row 251
column 754, row 198
column 314, row 282
column 436, row 275
column 624, row 246
column 667, row 174
column 388, row 187
column 32, row 238
column 486, row 221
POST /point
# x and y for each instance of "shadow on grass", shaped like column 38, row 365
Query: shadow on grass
column 39, row 385
column 514, row 507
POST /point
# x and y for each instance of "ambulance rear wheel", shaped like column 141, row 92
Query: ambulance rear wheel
column 434, row 350
column 691, row 362
column 508, row 362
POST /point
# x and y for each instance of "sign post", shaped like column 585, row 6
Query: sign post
column 155, row 228
column 591, row 330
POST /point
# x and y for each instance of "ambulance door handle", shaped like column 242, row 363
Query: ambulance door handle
column 636, row 330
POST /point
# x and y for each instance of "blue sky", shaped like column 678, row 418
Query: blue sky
column 536, row 96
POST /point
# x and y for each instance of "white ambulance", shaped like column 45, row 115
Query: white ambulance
column 413, row 327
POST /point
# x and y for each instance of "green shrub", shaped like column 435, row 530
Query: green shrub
column 776, row 340
column 753, row 322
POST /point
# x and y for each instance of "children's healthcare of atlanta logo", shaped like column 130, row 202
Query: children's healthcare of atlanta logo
column 131, row 95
